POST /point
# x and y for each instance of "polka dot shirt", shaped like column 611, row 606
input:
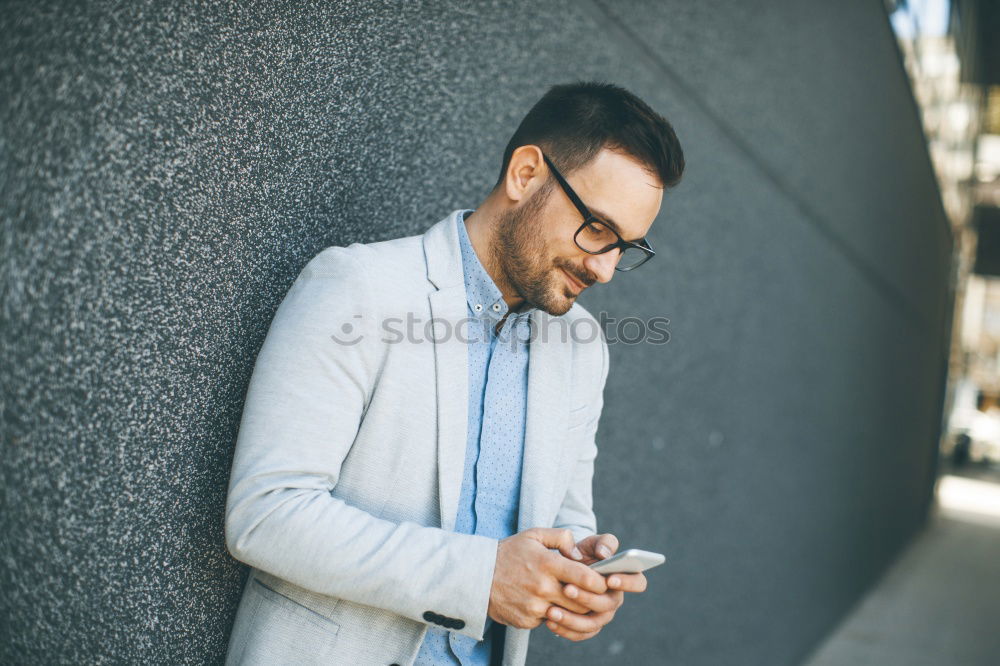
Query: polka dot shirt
column 498, row 390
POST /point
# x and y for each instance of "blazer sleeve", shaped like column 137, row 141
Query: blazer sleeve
column 305, row 401
column 576, row 511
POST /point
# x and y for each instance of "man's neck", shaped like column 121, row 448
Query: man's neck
column 481, row 227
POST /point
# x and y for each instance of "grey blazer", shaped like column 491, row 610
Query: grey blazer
column 348, row 465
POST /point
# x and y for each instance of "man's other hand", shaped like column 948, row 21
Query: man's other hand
column 529, row 578
column 600, row 608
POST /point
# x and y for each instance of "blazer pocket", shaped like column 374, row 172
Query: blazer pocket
column 283, row 631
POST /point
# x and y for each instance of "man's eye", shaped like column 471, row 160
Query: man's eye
column 598, row 230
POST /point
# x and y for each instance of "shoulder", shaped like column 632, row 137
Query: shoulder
column 580, row 314
column 587, row 337
column 590, row 331
column 380, row 259
column 391, row 274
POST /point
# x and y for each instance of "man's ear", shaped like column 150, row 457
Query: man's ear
column 525, row 172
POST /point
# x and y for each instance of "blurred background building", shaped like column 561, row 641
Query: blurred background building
column 939, row 603
column 951, row 50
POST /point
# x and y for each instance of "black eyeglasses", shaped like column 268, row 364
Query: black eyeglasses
column 595, row 236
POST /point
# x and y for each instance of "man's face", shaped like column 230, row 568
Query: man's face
column 534, row 245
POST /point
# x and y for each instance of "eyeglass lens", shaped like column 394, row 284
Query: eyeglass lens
column 595, row 237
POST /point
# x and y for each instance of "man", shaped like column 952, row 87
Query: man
column 412, row 478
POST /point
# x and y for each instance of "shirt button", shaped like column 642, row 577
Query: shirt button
column 477, row 307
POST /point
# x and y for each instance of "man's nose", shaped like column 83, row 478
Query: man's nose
column 603, row 265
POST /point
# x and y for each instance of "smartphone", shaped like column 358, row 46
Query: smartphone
column 632, row 560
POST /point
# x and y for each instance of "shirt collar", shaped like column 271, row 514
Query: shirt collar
column 481, row 292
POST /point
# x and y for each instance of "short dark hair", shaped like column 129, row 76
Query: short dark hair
column 573, row 122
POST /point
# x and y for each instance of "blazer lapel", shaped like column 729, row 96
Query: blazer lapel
column 546, row 419
column 451, row 361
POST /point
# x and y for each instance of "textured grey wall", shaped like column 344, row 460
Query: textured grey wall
column 166, row 170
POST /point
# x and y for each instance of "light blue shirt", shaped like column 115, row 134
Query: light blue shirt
column 498, row 393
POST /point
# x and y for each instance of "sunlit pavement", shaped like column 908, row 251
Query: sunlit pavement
column 939, row 604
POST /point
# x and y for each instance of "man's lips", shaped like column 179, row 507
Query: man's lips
column 574, row 283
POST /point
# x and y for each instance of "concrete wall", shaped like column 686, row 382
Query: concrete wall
column 166, row 171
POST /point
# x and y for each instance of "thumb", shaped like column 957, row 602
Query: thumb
column 560, row 538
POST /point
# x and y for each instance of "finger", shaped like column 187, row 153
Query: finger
column 571, row 605
column 560, row 630
column 628, row 582
column 560, row 598
column 578, row 574
column 607, row 545
column 560, row 538
column 599, row 603
column 587, row 546
column 583, row 624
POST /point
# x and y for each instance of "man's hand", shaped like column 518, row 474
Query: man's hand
column 529, row 578
column 576, row 626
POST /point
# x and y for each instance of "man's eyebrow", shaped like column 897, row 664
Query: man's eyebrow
column 611, row 223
